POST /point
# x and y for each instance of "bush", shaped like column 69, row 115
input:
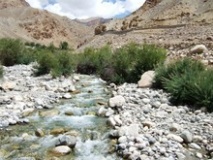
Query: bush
column 178, row 68
column 10, row 51
column 126, row 64
column 46, row 62
column 201, row 90
column 93, row 61
column 57, row 64
column 63, row 45
column 1, row 71
column 27, row 57
column 132, row 60
column 188, row 82
column 64, row 65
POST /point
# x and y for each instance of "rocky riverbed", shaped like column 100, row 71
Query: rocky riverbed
column 148, row 127
column 45, row 118
column 144, row 125
column 21, row 93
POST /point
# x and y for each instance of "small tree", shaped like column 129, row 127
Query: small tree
column 64, row 45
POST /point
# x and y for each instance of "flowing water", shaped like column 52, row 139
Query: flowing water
column 76, row 116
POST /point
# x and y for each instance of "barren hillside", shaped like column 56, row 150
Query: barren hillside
column 19, row 20
column 177, row 25
column 166, row 13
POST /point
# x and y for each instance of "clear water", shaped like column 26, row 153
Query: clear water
column 92, row 142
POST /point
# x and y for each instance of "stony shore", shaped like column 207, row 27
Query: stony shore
column 21, row 93
column 148, row 127
column 145, row 125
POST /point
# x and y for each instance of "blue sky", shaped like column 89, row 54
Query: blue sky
column 82, row 9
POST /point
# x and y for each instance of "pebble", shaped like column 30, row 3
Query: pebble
column 194, row 146
column 187, row 136
column 61, row 150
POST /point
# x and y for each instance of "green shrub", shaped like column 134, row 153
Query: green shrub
column 64, row 65
column 177, row 68
column 125, row 64
column 148, row 58
column 57, row 64
column 201, row 91
column 51, row 47
column 132, row 60
column 46, row 62
column 188, row 82
column 1, row 71
column 93, row 61
column 27, row 57
column 64, row 45
column 124, row 61
column 10, row 51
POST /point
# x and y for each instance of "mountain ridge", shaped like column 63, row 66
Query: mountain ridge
column 19, row 20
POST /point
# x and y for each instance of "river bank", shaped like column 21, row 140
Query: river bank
column 144, row 125
column 149, row 127
column 61, row 122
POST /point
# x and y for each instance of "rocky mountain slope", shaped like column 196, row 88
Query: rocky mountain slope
column 176, row 25
column 166, row 13
column 19, row 20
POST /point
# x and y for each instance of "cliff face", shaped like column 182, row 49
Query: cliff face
column 167, row 12
column 19, row 20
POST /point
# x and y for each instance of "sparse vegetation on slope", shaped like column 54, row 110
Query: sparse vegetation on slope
column 188, row 82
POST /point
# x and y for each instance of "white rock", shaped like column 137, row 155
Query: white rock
column 187, row 136
column 118, row 120
column 111, row 121
column 194, row 146
column 67, row 96
column 62, row 150
column 175, row 138
column 199, row 49
column 146, row 79
column 8, row 85
column 131, row 130
column 197, row 138
column 199, row 155
column 122, row 139
column 180, row 155
column 109, row 112
column 117, row 101
column 76, row 78
column 27, row 111
column 11, row 121
column 102, row 111
column 146, row 100
column 156, row 104
column 174, row 127
column 18, row 98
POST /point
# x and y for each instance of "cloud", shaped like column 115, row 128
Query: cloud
column 87, row 8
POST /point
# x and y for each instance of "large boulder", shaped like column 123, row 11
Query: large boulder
column 199, row 49
column 146, row 79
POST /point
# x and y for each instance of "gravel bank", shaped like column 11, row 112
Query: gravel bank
column 146, row 126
